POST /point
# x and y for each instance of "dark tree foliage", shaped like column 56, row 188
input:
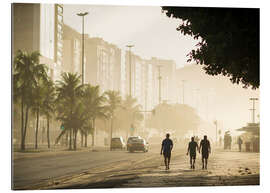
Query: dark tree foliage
column 228, row 40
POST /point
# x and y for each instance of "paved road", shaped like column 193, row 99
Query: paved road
column 122, row 169
column 43, row 168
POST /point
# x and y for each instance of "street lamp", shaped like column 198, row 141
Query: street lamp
column 82, row 15
column 159, row 83
column 130, row 46
column 253, row 109
column 215, row 122
column 183, row 82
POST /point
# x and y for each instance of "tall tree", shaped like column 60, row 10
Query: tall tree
column 113, row 100
column 228, row 40
column 37, row 100
column 93, row 103
column 26, row 76
column 69, row 92
column 48, row 105
column 128, row 114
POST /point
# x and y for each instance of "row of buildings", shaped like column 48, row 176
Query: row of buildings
column 108, row 66
column 41, row 27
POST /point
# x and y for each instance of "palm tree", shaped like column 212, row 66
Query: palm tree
column 48, row 105
column 113, row 102
column 69, row 92
column 26, row 75
column 92, row 101
column 129, row 113
column 38, row 100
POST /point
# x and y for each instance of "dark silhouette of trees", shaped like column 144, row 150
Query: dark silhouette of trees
column 48, row 105
column 69, row 106
column 228, row 40
column 27, row 74
column 93, row 109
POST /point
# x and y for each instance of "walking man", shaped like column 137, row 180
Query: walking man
column 166, row 148
column 192, row 147
column 240, row 141
column 206, row 149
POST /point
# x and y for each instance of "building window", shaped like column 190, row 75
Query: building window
column 60, row 18
column 60, row 9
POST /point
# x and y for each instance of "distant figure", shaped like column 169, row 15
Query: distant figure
column 192, row 147
column 206, row 149
column 227, row 140
column 166, row 148
column 240, row 141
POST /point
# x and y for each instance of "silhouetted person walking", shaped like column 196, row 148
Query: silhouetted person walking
column 192, row 147
column 206, row 149
column 166, row 148
column 239, row 141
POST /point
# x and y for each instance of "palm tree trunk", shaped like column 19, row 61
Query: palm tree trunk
column 94, row 132
column 81, row 139
column 22, row 126
column 66, row 143
column 75, row 139
column 36, row 137
column 111, row 133
column 48, row 131
column 25, row 126
column 70, row 139
column 92, row 139
column 85, row 140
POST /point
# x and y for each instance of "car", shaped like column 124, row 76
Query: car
column 118, row 143
column 137, row 144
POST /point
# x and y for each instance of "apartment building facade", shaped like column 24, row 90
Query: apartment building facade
column 39, row 27
column 102, row 64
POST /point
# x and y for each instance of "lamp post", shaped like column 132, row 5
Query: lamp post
column 82, row 15
column 215, row 122
column 130, row 46
column 253, row 109
column 159, row 83
column 183, row 82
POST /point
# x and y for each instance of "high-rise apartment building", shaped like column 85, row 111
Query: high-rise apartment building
column 39, row 27
column 145, row 82
column 102, row 64
column 72, row 50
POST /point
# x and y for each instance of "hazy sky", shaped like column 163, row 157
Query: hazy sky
column 150, row 30
column 154, row 34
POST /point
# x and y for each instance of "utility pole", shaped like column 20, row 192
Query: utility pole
column 183, row 82
column 216, row 123
column 159, row 83
column 145, row 109
column 82, row 15
column 129, row 47
column 253, row 109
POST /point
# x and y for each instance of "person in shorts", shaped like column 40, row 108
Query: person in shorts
column 192, row 147
column 206, row 149
column 166, row 148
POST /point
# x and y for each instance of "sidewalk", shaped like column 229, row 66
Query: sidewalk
column 224, row 168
